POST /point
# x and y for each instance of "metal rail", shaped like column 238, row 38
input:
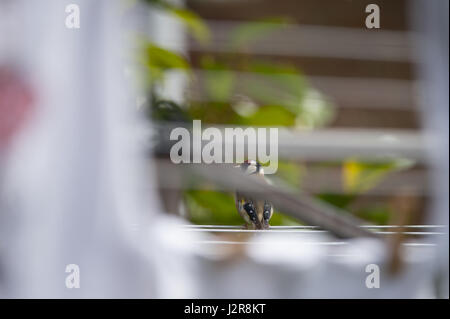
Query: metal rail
column 378, row 229
column 327, row 144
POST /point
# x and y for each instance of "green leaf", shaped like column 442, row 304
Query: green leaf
column 249, row 32
column 270, row 115
column 212, row 207
column 275, row 84
column 164, row 59
column 190, row 19
column 359, row 177
column 338, row 200
column 194, row 23
column 159, row 60
column 279, row 219
column 218, row 80
column 315, row 111
column 378, row 214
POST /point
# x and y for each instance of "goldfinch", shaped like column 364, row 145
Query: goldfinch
column 255, row 212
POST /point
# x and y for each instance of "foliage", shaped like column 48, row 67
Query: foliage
column 242, row 90
column 159, row 60
column 249, row 32
column 359, row 177
column 190, row 19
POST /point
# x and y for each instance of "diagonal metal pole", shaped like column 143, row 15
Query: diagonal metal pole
column 299, row 206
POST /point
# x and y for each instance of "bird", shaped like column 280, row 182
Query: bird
column 255, row 212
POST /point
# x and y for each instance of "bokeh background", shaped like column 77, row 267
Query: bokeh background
column 86, row 177
column 306, row 66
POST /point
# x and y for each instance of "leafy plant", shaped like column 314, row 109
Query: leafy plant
column 190, row 19
column 249, row 32
column 242, row 90
column 359, row 177
column 159, row 60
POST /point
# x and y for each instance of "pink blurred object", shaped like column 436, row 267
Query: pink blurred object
column 16, row 104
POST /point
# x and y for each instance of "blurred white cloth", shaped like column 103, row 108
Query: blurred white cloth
column 72, row 190
column 310, row 266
